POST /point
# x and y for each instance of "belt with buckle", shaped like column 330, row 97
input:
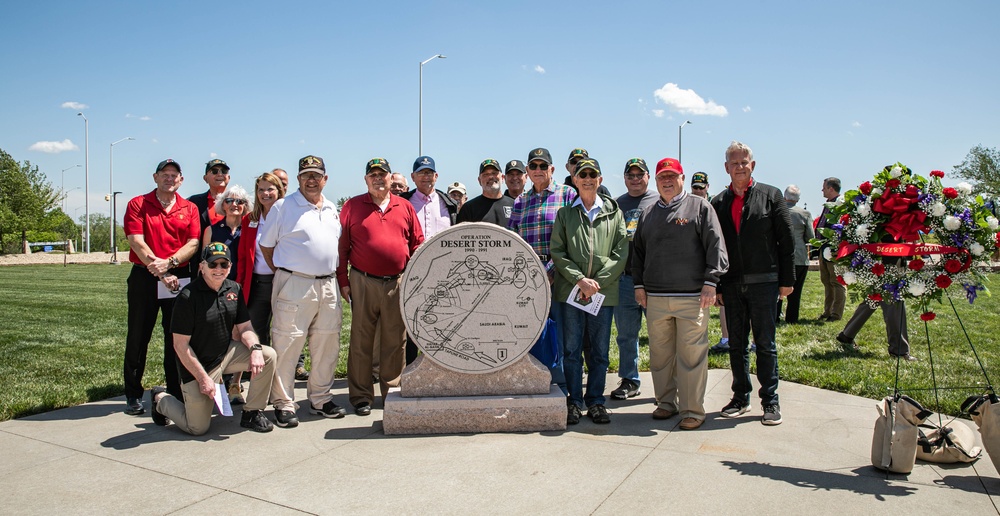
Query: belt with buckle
column 544, row 258
column 310, row 276
column 373, row 276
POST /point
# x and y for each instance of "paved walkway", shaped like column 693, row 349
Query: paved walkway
column 95, row 459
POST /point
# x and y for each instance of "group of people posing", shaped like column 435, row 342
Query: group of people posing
column 244, row 283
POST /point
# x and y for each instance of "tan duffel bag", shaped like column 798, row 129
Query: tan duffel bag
column 948, row 444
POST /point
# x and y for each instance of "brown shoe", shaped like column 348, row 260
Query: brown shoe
column 662, row 413
column 690, row 423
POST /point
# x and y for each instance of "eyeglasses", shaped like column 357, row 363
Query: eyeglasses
column 238, row 202
column 311, row 176
column 219, row 263
column 634, row 177
column 538, row 166
column 592, row 174
column 217, row 171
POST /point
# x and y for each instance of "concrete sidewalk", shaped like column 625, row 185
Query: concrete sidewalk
column 95, row 459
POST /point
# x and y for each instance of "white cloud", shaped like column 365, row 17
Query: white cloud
column 746, row 109
column 74, row 105
column 156, row 140
column 144, row 118
column 129, row 115
column 856, row 124
column 687, row 102
column 539, row 69
column 658, row 113
column 54, row 147
column 213, row 155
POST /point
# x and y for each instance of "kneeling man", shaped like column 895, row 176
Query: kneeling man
column 209, row 314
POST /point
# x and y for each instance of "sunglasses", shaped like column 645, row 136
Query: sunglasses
column 592, row 174
column 238, row 202
column 694, row 187
column 219, row 263
column 217, row 171
column 634, row 177
column 575, row 161
column 538, row 166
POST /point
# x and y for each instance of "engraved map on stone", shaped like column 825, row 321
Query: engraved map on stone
column 475, row 298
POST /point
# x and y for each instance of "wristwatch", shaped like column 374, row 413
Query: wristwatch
column 256, row 347
column 173, row 261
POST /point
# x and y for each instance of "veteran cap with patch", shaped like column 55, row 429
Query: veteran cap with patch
column 699, row 179
column 312, row 164
column 456, row 187
column 590, row 163
column 216, row 251
column 379, row 163
column 577, row 153
column 540, row 153
column 489, row 163
column 636, row 162
column 669, row 165
column 216, row 163
column 166, row 162
column 515, row 165
column 423, row 162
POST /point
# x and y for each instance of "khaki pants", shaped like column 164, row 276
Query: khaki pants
column 835, row 294
column 305, row 308
column 374, row 302
column 678, row 353
column 194, row 414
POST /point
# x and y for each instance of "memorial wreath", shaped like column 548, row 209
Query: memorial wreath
column 938, row 236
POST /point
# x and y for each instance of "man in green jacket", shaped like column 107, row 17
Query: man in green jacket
column 589, row 248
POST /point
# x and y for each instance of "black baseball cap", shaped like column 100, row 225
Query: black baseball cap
column 515, row 164
column 216, row 251
column 216, row 163
column 636, row 162
column 489, row 163
column 166, row 162
column 380, row 163
column 586, row 163
column 577, row 153
column 540, row 153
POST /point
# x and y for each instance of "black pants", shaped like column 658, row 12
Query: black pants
column 259, row 306
column 894, row 317
column 794, row 299
column 143, row 307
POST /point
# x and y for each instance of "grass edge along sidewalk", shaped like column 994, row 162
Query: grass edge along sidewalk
column 63, row 331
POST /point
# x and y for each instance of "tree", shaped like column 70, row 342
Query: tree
column 982, row 167
column 25, row 197
column 100, row 234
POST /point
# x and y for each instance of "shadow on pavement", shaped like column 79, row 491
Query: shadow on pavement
column 858, row 483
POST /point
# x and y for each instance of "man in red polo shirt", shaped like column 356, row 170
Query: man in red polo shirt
column 163, row 231
column 379, row 233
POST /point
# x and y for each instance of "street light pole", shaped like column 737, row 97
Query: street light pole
column 420, row 114
column 114, row 215
column 679, row 131
column 64, row 184
column 112, row 189
column 86, row 180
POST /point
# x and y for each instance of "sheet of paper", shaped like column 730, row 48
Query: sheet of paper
column 591, row 304
column 163, row 293
column 222, row 400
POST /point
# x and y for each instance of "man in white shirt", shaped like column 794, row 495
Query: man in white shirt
column 435, row 209
column 300, row 244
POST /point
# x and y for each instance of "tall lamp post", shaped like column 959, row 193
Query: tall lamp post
column 64, row 184
column 420, row 131
column 680, row 130
column 114, row 215
column 86, row 180
column 111, row 239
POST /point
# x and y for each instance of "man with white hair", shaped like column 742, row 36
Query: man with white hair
column 802, row 232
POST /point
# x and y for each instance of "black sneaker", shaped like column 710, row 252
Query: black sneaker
column 285, row 419
column 330, row 410
column 158, row 419
column 301, row 374
column 256, row 421
column 133, row 407
column 626, row 389
column 734, row 408
column 598, row 414
column 848, row 343
column 573, row 414
column 772, row 415
column 363, row 409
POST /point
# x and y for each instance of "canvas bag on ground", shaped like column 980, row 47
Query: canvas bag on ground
column 894, row 442
column 985, row 411
column 954, row 442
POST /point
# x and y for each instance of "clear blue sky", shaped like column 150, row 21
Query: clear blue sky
column 816, row 89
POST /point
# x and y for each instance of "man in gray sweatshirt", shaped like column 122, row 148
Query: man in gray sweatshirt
column 678, row 256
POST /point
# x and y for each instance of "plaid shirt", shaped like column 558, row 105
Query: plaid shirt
column 535, row 213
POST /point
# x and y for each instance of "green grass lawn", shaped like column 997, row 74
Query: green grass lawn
column 62, row 336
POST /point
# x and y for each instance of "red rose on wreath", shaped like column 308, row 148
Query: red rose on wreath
column 875, row 297
column 878, row 269
column 927, row 316
column 840, row 279
column 912, row 191
column 953, row 266
column 844, row 218
column 866, row 187
column 892, row 183
column 950, row 192
column 937, row 173
column 916, row 265
column 942, row 281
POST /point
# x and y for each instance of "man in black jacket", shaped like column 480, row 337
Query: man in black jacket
column 758, row 233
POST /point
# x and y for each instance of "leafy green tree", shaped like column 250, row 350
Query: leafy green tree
column 25, row 197
column 982, row 167
column 100, row 236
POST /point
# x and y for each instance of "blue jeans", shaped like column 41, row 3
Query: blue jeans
column 628, row 320
column 575, row 324
column 752, row 306
column 558, row 376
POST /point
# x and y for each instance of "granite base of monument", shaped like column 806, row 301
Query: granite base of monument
column 474, row 414
column 424, row 378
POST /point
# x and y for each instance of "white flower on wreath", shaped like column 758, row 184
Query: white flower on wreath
column 862, row 231
column 916, row 288
column 850, row 278
column 992, row 223
column 876, row 192
column 977, row 249
column 864, row 210
column 896, row 171
column 827, row 254
column 964, row 188
column 938, row 209
column 952, row 223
